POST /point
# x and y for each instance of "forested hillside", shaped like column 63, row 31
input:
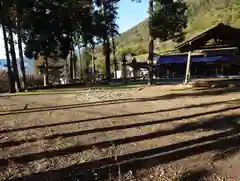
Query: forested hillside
column 202, row 14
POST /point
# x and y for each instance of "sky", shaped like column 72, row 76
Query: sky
column 129, row 14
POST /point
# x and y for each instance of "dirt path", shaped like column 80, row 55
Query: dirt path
column 150, row 134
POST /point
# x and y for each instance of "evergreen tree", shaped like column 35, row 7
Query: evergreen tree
column 108, row 28
column 9, row 67
column 19, row 17
column 167, row 19
column 4, row 5
column 8, row 20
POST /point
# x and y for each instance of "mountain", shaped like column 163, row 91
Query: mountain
column 202, row 15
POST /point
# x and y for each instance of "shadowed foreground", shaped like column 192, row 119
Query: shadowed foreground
column 157, row 138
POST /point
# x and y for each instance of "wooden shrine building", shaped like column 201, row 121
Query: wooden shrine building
column 217, row 53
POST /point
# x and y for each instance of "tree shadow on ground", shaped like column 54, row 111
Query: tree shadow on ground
column 207, row 92
column 127, row 115
column 226, row 138
column 105, row 144
column 226, row 153
column 195, row 175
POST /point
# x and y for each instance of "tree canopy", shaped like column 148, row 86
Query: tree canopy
column 168, row 20
column 50, row 26
column 55, row 27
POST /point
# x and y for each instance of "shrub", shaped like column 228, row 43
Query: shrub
column 32, row 80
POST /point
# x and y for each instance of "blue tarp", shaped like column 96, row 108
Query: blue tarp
column 183, row 59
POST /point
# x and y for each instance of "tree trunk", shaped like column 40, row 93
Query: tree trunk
column 10, row 75
column 107, row 60
column 93, row 62
column 114, row 57
column 22, row 66
column 106, row 47
column 14, row 60
column 71, row 61
column 74, row 71
column 46, row 76
column 124, row 69
column 80, row 63
column 71, row 67
column 74, row 67
column 150, row 47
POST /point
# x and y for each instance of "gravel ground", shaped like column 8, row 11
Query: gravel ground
column 154, row 133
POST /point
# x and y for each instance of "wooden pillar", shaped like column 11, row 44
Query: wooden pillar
column 187, row 76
